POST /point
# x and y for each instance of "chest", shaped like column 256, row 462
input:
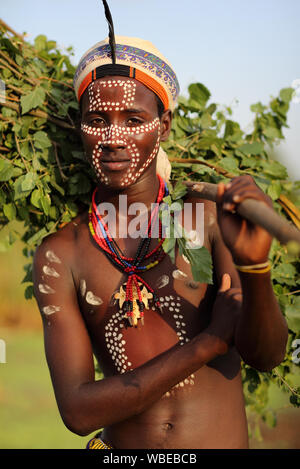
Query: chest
column 186, row 307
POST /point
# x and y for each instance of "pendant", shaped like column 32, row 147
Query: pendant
column 136, row 312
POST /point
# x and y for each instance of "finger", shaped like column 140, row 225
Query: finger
column 220, row 192
column 225, row 283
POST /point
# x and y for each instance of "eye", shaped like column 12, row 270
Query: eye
column 97, row 121
column 133, row 121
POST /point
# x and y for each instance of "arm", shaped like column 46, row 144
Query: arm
column 261, row 332
column 85, row 404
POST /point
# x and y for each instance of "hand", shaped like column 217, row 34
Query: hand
column 226, row 310
column 248, row 243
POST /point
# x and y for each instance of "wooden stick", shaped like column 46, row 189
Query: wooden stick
column 2, row 23
column 253, row 210
column 41, row 114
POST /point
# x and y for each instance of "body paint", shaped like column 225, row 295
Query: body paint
column 43, row 288
column 52, row 257
column 162, row 281
column 50, row 271
column 51, row 309
column 92, row 299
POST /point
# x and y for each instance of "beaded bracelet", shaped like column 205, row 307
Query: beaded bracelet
column 254, row 269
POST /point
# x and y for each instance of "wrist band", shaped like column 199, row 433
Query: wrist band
column 255, row 268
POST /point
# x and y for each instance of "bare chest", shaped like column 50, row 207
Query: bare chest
column 186, row 307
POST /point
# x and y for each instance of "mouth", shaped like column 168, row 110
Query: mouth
column 114, row 165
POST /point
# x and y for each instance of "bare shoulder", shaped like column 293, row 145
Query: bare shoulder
column 60, row 246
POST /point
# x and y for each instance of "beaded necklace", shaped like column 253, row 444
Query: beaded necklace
column 133, row 295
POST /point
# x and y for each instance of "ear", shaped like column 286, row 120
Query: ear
column 166, row 122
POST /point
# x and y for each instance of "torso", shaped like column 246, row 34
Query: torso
column 206, row 410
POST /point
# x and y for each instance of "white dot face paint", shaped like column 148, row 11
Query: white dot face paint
column 113, row 134
column 50, row 271
column 46, row 289
column 52, row 257
column 51, row 309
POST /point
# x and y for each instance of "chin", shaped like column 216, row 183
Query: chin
column 116, row 184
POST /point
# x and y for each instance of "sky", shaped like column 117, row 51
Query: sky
column 243, row 51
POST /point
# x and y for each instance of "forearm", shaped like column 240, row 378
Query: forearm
column 98, row 404
column 261, row 332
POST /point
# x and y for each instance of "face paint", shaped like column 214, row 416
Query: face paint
column 113, row 134
column 96, row 101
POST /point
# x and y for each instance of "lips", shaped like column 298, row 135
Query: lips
column 114, row 164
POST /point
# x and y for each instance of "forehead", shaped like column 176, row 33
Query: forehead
column 116, row 89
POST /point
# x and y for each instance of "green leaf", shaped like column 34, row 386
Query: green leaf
column 29, row 292
column 79, row 184
column 284, row 273
column 229, row 163
column 37, row 237
column 254, row 148
column 8, row 171
column 274, row 169
column 41, row 140
column 292, row 313
column 274, row 190
column 169, row 247
column 199, row 95
column 179, row 191
column 286, row 94
column 10, row 211
column 46, row 203
column 29, row 181
column 40, row 42
column 32, row 100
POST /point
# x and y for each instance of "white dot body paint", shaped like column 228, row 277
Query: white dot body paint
column 52, row 257
column 185, row 259
column 162, row 281
column 43, row 288
column 50, row 271
column 51, row 309
column 91, row 299
column 178, row 274
column 82, row 287
column 180, row 327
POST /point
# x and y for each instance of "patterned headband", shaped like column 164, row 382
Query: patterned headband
column 135, row 58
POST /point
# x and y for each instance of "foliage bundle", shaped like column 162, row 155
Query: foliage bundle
column 45, row 180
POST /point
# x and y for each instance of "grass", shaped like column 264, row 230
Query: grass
column 29, row 414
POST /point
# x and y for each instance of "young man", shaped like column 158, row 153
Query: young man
column 175, row 381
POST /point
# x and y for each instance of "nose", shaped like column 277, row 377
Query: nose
column 113, row 139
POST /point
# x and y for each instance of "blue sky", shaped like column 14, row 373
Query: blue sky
column 244, row 50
